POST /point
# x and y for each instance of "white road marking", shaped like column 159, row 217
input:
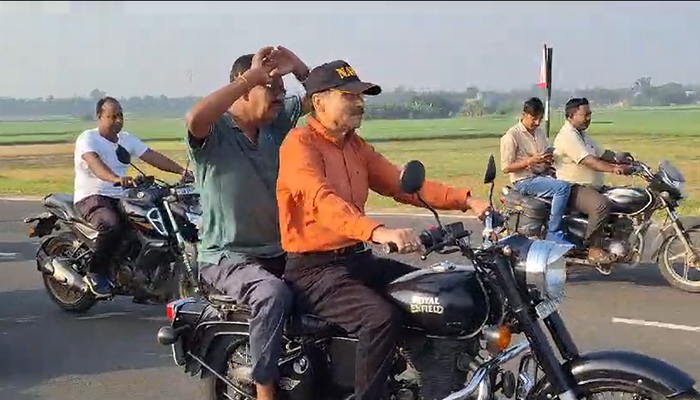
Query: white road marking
column 656, row 324
column 11, row 256
column 102, row 316
column 19, row 198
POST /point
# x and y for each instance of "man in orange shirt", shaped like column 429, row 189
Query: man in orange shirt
column 326, row 172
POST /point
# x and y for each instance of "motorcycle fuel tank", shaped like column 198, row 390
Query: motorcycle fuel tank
column 442, row 300
column 627, row 200
column 135, row 210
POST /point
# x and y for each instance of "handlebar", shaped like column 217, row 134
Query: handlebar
column 169, row 192
column 439, row 238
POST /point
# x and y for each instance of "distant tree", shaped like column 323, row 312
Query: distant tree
column 473, row 108
column 97, row 94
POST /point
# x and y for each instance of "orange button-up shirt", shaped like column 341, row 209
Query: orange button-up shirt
column 323, row 186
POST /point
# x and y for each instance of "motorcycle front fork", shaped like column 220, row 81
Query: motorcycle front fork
column 680, row 230
column 181, row 247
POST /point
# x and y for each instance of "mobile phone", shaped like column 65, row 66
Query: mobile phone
column 549, row 150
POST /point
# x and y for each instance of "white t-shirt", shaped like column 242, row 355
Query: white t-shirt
column 86, row 183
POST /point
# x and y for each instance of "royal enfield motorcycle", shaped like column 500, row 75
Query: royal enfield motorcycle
column 154, row 260
column 459, row 324
column 626, row 229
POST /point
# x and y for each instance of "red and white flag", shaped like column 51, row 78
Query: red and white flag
column 542, row 83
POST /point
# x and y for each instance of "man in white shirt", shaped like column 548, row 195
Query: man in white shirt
column 97, row 169
column 577, row 159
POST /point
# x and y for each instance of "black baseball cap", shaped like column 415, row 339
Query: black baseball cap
column 338, row 75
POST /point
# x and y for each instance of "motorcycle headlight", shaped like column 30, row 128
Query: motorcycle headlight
column 545, row 267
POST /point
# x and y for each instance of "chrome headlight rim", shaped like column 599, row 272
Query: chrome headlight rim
column 545, row 268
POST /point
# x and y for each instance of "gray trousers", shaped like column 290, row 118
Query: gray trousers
column 253, row 284
column 592, row 203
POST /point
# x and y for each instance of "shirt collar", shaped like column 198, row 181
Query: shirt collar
column 568, row 125
column 321, row 130
column 522, row 127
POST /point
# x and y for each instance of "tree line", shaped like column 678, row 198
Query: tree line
column 400, row 103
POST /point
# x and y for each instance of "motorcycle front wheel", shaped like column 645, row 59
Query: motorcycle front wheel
column 185, row 286
column 617, row 387
column 673, row 253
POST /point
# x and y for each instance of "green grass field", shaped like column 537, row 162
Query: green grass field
column 36, row 157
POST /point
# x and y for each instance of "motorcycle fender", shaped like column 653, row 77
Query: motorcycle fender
column 643, row 370
column 209, row 338
column 667, row 232
column 45, row 224
column 41, row 256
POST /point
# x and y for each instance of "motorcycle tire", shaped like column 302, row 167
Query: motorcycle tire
column 184, row 285
column 618, row 384
column 69, row 300
column 666, row 268
column 222, row 358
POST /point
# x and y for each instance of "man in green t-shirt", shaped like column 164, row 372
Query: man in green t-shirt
column 233, row 139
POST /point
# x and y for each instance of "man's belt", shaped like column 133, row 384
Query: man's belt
column 358, row 248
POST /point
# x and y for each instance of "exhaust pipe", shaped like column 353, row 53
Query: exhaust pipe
column 61, row 270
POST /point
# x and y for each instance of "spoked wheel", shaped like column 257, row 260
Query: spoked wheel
column 185, row 286
column 69, row 299
column 231, row 365
column 618, row 389
column 679, row 268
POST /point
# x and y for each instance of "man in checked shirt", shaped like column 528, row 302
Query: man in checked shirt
column 326, row 172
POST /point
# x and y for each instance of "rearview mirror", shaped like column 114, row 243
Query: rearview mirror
column 123, row 155
column 412, row 177
column 490, row 175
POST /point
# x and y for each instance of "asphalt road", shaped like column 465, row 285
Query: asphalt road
column 111, row 352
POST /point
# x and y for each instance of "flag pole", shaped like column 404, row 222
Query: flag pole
column 545, row 83
column 550, row 51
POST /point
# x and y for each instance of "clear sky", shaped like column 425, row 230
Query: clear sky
column 62, row 48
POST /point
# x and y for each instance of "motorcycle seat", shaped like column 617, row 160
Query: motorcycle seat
column 510, row 191
column 303, row 324
column 299, row 323
column 64, row 202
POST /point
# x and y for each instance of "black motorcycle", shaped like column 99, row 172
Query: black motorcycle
column 628, row 224
column 155, row 260
column 459, row 323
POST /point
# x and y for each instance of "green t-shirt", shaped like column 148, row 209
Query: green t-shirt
column 236, row 180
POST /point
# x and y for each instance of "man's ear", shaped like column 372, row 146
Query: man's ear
column 317, row 101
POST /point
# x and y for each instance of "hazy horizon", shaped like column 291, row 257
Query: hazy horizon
column 128, row 49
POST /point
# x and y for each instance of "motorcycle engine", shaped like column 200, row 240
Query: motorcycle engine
column 618, row 238
column 436, row 365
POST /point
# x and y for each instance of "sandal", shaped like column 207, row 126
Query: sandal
column 603, row 257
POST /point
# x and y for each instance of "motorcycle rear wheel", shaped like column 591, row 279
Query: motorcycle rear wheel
column 70, row 300
column 225, row 357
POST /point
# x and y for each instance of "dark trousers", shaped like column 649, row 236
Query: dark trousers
column 255, row 283
column 346, row 290
column 103, row 214
column 590, row 202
